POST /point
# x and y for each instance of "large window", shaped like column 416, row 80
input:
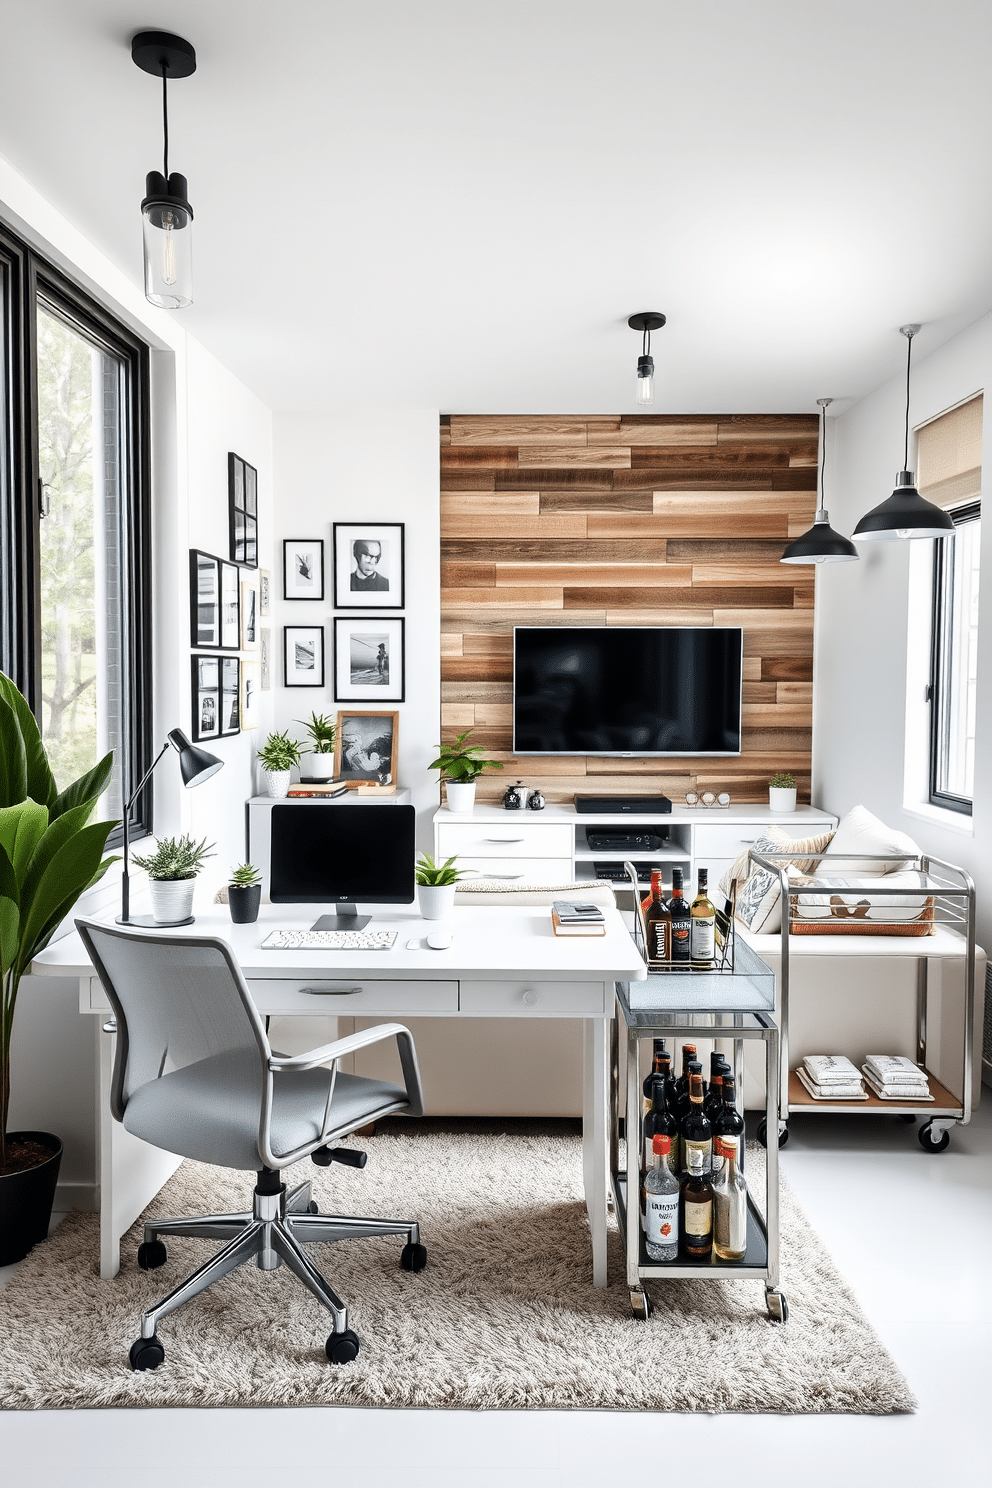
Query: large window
column 75, row 631
column 954, row 665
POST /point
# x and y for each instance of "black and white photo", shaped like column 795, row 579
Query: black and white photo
column 366, row 747
column 264, row 658
column 204, row 587
column 368, row 565
column 368, row 659
column 205, row 702
column 230, row 695
column 304, row 655
column 242, row 486
column 303, row 568
column 264, row 592
column 230, row 607
column 249, row 615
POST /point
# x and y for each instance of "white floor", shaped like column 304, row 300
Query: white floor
column 910, row 1232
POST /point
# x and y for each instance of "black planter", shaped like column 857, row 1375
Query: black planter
column 244, row 900
column 26, row 1199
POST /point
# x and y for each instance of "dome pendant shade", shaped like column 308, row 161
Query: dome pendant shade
column 821, row 544
column 905, row 514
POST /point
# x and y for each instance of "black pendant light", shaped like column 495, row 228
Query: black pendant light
column 167, row 217
column 821, row 544
column 905, row 514
column 646, row 321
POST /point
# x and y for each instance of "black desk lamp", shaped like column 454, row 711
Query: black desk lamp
column 196, row 766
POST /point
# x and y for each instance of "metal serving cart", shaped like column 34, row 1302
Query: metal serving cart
column 734, row 1002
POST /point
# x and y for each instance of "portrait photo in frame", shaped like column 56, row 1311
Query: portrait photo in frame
column 249, row 614
column 368, row 658
column 368, row 565
column 250, row 689
column 304, row 655
column 205, row 711
column 303, row 568
column 366, row 749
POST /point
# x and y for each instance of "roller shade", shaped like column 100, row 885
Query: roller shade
column 949, row 456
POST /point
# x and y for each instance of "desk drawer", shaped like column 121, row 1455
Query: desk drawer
column 534, row 999
column 520, row 870
column 338, row 997
column 514, row 839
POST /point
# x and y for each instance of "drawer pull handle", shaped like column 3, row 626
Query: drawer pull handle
column 504, row 839
column 110, row 1026
column 504, row 875
column 530, row 997
column 330, row 991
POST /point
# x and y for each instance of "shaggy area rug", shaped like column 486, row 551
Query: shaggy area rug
column 504, row 1316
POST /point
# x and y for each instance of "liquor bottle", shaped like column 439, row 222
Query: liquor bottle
column 695, row 1132
column 702, row 925
column 696, row 1211
column 655, row 881
column 658, row 923
column 661, row 1211
column 729, row 1203
column 713, row 1101
column 682, row 1083
column 659, row 1121
column 729, row 1124
column 680, row 917
column 658, row 1055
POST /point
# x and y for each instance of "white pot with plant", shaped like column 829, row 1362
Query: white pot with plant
column 460, row 766
column 782, row 792
column 436, row 885
column 277, row 757
column 321, row 733
column 172, row 870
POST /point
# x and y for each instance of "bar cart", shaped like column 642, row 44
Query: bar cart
column 735, row 1001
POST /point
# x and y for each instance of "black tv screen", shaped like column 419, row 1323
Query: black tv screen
column 627, row 690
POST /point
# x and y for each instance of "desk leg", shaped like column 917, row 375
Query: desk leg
column 595, row 1148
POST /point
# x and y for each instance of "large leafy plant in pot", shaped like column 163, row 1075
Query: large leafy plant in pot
column 50, row 853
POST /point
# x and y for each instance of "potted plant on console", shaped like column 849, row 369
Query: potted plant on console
column 49, row 854
column 172, row 870
column 321, row 732
column 460, row 765
column 436, row 884
column 244, row 894
column 277, row 757
column 782, row 792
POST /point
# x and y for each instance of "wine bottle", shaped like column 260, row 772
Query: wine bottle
column 703, row 925
column 657, row 923
column 661, row 1209
column 729, row 1203
column 695, row 1132
column 682, row 1083
column 729, row 1124
column 696, row 1211
column 713, row 1101
column 680, row 916
column 658, row 1053
column 658, row 1122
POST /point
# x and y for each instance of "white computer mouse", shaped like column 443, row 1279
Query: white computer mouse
column 439, row 940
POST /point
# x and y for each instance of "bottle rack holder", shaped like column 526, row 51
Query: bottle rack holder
column 725, row 924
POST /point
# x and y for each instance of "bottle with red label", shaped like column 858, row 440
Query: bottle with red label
column 661, row 1205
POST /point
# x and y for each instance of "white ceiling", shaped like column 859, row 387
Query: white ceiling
column 454, row 204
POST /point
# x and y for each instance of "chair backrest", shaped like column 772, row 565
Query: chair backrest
column 177, row 999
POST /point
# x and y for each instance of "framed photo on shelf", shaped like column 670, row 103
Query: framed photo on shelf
column 204, row 599
column 250, row 689
column 206, row 697
column 230, row 606
column 303, row 568
column 368, row 659
column 249, row 614
column 242, row 499
column 368, row 565
column 230, row 695
column 264, row 657
column 367, row 747
column 264, row 592
column 304, row 655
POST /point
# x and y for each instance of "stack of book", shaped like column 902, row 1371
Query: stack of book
column 319, row 788
column 831, row 1077
column 570, row 917
column 894, row 1077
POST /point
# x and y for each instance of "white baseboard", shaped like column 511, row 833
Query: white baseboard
column 77, row 1195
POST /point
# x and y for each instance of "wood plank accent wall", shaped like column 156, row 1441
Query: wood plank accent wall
column 629, row 520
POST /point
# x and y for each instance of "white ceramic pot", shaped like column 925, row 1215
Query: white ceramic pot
column 277, row 781
column 781, row 798
column 172, row 899
column 320, row 766
column 461, row 795
column 436, row 900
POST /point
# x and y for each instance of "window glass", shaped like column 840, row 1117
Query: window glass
column 955, row 662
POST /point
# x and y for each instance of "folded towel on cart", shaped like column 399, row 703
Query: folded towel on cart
column 854, row 1091
column 897, row 1092
column 831, row 1069
column 895, row 1069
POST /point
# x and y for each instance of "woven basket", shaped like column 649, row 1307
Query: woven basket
column 923, row 925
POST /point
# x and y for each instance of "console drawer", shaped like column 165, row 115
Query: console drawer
column 534, row 999
column 728, row 839
column 337, row 996
column 513, row 839
column 519, row 870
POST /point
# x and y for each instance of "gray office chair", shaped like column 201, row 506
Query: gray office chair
column 194, row 1074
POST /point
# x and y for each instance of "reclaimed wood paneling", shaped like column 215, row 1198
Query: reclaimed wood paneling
column 629, row 520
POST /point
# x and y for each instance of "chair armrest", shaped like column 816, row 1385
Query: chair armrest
column 313, row 1058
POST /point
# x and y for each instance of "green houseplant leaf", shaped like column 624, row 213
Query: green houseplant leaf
column 13, row 758
column 86, row 789
column 21, row 829
column 40, row 782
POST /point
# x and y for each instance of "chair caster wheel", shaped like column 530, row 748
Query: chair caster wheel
column 151, row 1255
column 342, row 1348
column 778, row 1306
column 146, row 1353
column 413, row 1257
column 931, row 1142
column 783, row 1133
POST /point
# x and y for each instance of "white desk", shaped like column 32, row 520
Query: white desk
column 503, row 962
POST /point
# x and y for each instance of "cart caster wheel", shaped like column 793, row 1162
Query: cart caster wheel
column 783, row 1133
column 342, row 1348
column 146, row 1353
column 778, row 1306
column 908, row 1117
column 931, row 1141
column 413, row 1257
column 312, row 1207
column 151, row 1255
column 641, row 1304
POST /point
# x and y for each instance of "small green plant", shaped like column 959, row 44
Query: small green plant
column 175, row 857
column 244, row 877
column 459, row 762
column 279, row 752
column 321, row 732
column 433, row 875
column 782, row 781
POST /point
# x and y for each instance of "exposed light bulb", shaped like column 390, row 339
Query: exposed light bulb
column 645, row 381
column 168, row 250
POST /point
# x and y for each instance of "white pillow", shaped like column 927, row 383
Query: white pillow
column 861, row 832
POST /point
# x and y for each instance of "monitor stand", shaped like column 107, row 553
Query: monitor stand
column 347, row 918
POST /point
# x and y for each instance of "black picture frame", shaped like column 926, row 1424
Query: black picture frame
column 303, row 655
column 214, row 602
column 242, row 503
column 205, row 696
column 384, row 588
column 230, row 695
column 369, row 659
column 303, row 568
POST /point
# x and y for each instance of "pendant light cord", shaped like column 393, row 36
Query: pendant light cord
column 823, row 454
column 646, row 343
column 909, row 357
column 165, row 117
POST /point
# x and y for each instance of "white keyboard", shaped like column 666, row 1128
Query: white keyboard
column 329, row 940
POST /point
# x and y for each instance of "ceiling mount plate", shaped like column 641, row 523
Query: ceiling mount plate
column 647, row 320
column 150, row 50
column 908, row 330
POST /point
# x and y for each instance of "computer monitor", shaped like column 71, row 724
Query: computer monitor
column 331, row 852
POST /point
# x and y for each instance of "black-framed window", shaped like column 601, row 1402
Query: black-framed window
column 75, row 629
column 954, row 662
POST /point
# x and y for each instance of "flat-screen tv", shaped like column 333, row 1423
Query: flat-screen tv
column 627, row 690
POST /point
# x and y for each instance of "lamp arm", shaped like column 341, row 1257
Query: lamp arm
column 125, row 877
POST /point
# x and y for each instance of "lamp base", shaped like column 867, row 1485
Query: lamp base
column 149, row 921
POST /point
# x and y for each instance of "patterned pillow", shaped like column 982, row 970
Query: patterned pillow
column 775, row 839
column 759, row 902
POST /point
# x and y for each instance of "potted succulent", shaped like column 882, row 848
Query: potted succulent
column 460, row 765
column 244, row 894
column 278, row 755
column 782, row 792
column 321, row 732
column 172, row 870
column 436, row 884
column 49, row 854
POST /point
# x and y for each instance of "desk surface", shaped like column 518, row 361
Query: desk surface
column 488, row 944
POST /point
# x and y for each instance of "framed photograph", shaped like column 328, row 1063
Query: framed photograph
column 204, row 599
column 304, row 651
column 242, row 499
column 206, row 696
column 249, row 614
column 368, row 659
column 367, row 747
column 265, row 657
column 303, row 568
column 230, row 607
column 368, row 565
column 264, row 592
column 230, row 695
column 250, row 689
